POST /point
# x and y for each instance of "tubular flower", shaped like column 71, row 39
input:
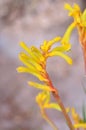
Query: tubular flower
column 80, row 23
column 34, row 61
column 43, row 99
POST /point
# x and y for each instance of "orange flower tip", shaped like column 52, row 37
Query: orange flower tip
column 53, row 89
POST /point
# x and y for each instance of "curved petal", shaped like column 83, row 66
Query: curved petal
column 66, row 37
column 29, row 61
column 62, row 48
column 57, row 53
column 40, row 86
column 28, row 50
column 47, row 44
column 31, row 71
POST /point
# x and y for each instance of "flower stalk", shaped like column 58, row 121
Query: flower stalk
column 67, row 118
column 35, row 60
column 58, row 100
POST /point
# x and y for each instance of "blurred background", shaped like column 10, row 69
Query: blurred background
column 33, row 21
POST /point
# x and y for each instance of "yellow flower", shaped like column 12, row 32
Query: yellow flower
column 59, row 50
column 43, row 99
column 78, row 122
column 79, row 18
column 34, row 59
column 80, row 23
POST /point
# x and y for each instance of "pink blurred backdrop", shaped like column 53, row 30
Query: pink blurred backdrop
column 33, row 22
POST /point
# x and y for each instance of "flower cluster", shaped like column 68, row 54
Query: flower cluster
column 34, row 61
column 80, row 24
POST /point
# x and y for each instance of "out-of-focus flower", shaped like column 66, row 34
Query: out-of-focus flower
column 79, row 20
column 78, row 122
column 75, row 116
column 79, row 17
column 80, row 23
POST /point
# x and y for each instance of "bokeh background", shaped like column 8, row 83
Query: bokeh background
column 33, row 21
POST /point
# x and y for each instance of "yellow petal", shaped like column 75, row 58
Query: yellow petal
column 43, row 47
column 37, row 52
column 28, row 50
column 47, row 44
column 25, row 47
column 83, row 16
column 31, row 71
column 76, row 7
column 39, row 99
column 47, row 98
column 57, row 53
column 30, row 66
column 40, row 86
column 73, row 11
column 53, row 106
column 53, row 41
column 80, row 125
column 62, row 48
column 66, row 37
column 29, row 61
column 75, row 116
column 68, row 7
column 43, row 98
